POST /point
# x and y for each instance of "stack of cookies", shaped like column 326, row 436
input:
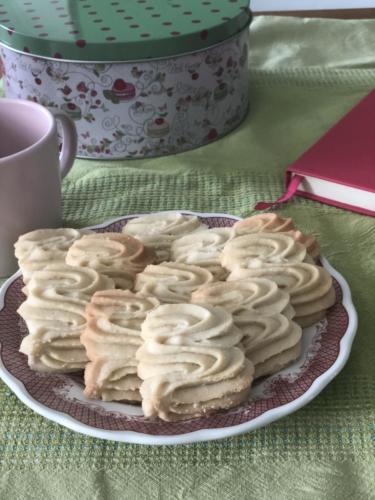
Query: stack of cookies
column 169, row 313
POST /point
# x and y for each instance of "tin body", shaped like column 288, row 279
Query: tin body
column 140, row 79
column 139, row 109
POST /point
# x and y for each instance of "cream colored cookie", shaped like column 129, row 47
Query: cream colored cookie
column 274, row 223
column 203, row 249
column 263, row 223
column 241, row 298
column 310, row 287
column 278, row 362
column 266, row 337
column 111, row 338
column 258, row 249
column 172, row 282
column 260, row 310
column 160, row 244
column 37, row 249
column 158, row 231
column 116, row 255
column 307, row 240
column 190, row 362
column 173, row 224
column 54, row 312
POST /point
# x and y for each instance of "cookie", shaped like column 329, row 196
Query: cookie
column 310, row 287
column 278, row 362
column 241, row 298
column 118, row 256
column 160, row 244
column 266, row 338
column 37, row 249
column 274, row 223
column 257, row 249
column 203, row 249
column 54, row 312
column 308, row 241
column 158, row 231
column 190, row 362
column 172, row 282
column 111, row 338
column 262, row 222
column 261, row 311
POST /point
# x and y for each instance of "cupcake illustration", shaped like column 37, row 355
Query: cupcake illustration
column 121, row 91
column 221, row 91
column 141, row 113
column 158, row 128
column 72, row 110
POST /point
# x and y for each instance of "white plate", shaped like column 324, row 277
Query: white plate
column 325, row 350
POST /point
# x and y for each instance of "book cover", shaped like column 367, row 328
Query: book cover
column 339, row 166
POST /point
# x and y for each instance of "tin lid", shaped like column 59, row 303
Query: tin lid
column 122, row 30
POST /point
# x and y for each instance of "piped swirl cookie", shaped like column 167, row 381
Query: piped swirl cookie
column 37, row 249
column 116, row 255
column 308, row 241
column 262, row 222
column 203, row 249
column 278, row 362
column 310, row 287
column 172, row 282
column 263, row 314
column 54, row 312
column 256, row 250
column 158, row 231
column 190, row 362
column 111, row 338
column 246, row 297
column 275, row 224
column 270, row 342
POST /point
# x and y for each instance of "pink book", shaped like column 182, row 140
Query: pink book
column 339, row 169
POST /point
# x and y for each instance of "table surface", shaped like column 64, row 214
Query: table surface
column 305, row 74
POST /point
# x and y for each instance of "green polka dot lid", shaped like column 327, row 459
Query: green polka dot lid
column 122, row 30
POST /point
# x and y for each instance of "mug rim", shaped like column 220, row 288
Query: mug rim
column 41, row 140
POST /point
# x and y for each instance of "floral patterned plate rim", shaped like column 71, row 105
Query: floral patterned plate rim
column 325, row 350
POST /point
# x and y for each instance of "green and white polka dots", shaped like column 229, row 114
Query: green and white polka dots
column 122, row 30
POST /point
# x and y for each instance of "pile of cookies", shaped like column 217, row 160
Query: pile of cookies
column 169, row 313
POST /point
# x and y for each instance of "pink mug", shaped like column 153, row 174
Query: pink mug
column 31, row 169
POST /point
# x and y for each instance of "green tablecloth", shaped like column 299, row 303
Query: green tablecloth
column 304, row 76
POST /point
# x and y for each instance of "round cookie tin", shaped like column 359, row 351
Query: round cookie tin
column 141, row 78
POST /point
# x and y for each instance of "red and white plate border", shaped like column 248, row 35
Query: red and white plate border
column 205, row 434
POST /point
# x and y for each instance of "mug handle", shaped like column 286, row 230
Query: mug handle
column 69, row 146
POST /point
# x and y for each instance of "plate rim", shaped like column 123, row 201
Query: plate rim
column 133, row 437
